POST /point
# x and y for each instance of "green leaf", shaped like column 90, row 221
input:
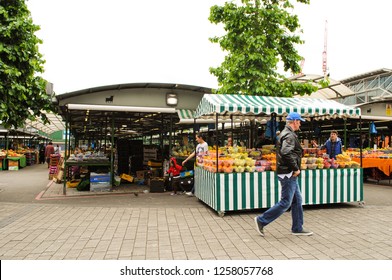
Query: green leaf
column 20, row 62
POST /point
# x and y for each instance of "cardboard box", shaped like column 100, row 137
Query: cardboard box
column 141, row 174
column 13, row 163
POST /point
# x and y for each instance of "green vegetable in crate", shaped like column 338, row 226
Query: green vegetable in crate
column 84, row 185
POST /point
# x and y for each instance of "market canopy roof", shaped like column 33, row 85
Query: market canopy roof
column 334, row 90
column 226, row 104
column 56, row 124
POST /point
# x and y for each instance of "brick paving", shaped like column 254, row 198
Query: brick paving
column 163, row 227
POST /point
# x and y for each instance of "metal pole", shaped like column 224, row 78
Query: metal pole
column 216, row 142
column 65, row 156
column 232, row 128
column 360, row 139
column 345, row 134
column 170, row 134
column 112, row 154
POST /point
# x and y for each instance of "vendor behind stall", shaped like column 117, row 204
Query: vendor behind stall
column 201, row 150
column 333, row 145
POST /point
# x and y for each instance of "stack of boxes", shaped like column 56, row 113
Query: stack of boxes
column 54, row 161
column 13, row 164
column 99, row 182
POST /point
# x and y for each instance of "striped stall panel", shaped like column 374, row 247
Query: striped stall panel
column 331, row 185
column 205, row 187
column 236, row 191
column 240, row 191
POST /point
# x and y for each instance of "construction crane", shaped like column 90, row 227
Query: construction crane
column 302, row 65
column 325, row 50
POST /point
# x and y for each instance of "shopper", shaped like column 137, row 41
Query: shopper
column 42, row 153
column 174, row 175
column 49, row 150
column 201, row 150
column 288, row 157
column 333, row 145
column 57, row 149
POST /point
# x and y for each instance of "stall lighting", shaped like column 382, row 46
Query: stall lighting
column 120, row 108
column 171, row 99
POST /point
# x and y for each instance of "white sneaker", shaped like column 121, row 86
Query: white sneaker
column 189, row 193
column 304, row 232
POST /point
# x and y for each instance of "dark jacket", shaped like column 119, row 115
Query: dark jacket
column 337, row 148
column 289, row 152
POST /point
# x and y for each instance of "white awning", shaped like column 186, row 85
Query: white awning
column 249, row 105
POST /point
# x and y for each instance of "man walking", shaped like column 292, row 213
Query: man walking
column 288, row 157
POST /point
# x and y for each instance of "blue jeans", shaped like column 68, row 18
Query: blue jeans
column 291, row 196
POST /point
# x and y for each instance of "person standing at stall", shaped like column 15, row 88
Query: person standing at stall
column 174, row 175
column 201, row 150
column 229, row 142
column 49, row 150
column 288, row 157
column 57, row 149
column 42, row 153
column 333, row 145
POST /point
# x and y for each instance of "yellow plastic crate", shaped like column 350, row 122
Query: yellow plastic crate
column 73, row 183
column 127, row 177
column 154, row 164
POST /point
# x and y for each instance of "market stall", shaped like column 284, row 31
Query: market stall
column 252, row 190
column 16, row 162
column 376, row 163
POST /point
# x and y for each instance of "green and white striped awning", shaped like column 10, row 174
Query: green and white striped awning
column 185, row 114
column 212, row 104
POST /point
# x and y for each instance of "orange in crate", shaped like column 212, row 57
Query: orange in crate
column 13, row 163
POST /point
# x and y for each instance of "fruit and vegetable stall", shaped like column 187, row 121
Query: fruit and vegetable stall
column 11, row 160
column 237, row 178
column 377, row 163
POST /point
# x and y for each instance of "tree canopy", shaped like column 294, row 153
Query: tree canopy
column 22, row 91
column 259, row 36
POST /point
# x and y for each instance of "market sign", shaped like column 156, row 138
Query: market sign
column 212, row 104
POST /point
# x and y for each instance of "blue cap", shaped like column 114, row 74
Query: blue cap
column 293, row 116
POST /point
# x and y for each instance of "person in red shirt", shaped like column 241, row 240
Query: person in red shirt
column 49, row 150
column 174, row 174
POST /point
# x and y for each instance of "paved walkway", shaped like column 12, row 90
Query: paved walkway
column 160, row 226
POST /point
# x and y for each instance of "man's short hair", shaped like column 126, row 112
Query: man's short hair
column 334, row 131
column 200, row 135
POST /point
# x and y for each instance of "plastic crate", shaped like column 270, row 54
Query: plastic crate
column 157, row 185
column 100, row 187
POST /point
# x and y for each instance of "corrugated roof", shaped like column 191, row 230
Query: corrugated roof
column 367, row 75
column 335, row 90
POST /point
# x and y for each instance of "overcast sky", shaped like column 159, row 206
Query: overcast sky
column 91, row 43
